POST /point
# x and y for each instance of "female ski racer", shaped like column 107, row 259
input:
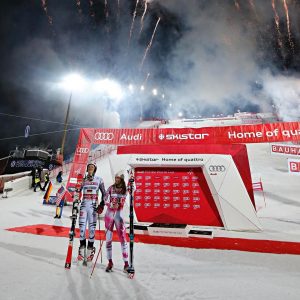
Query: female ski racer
column 114, row 200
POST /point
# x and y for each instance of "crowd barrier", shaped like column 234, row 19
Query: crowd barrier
column 10, row 177
column 13, row 187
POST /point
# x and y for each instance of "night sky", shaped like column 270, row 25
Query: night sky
column 206, row 58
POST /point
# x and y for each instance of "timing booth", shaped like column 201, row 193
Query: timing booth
column 204, row 187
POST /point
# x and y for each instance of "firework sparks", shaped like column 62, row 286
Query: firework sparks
column 150, row 44
column 146, row 80
column 237, row 5
column 251, row 3
column 288, row 23
column 132, row 23
column 92, row 8
column 106, row 13
column 79, row 9
column 118, row 13
column 106, row 9
column 45, row 8
column 276, row 18
column 143, row 16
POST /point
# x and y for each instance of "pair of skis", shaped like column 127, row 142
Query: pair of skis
column 131, row 270
column 75, row 208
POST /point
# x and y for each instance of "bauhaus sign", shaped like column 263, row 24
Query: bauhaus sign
column 281, row 149
column 294, row 166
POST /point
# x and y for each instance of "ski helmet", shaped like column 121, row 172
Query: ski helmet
column 93, row 164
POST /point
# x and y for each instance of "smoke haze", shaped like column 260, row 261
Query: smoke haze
column 207, row 57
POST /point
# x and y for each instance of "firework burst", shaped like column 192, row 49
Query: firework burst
column 132, row 22
column 150, row 44
column 143, row 16
column 288, row 24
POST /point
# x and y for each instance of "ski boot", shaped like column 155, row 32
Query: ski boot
column 126, row 267
column 90, row 253
column 109, row 266
column 81, row 253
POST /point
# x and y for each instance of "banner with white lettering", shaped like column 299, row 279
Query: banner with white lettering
column 254, row 133
column 294, row 166
column 80, row 160
column 287, row 150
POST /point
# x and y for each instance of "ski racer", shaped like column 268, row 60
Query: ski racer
column 88, row 211
column 114, row 200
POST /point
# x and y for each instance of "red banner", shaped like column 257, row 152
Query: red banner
column 80, row 160
column 256, row 133
column 294, row 166
column 285, row 150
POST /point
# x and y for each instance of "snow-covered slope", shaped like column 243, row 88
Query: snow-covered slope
column 33, row 265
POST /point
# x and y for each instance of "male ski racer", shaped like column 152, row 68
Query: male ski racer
column 88, row 211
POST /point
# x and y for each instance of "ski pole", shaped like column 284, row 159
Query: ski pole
column 100, row 237
column 101, row 244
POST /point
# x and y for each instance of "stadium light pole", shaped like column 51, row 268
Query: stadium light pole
column 70, row 82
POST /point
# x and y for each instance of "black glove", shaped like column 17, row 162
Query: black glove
column 100, row 208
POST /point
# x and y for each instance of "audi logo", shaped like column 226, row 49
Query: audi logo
column 216, row 168
column 82, row 150
column 104, row 136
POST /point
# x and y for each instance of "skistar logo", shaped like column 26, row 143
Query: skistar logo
column 183, row 136
column 104, row 136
